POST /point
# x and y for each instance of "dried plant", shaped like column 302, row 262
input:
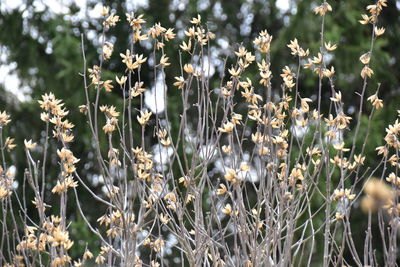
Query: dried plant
column 235, row 184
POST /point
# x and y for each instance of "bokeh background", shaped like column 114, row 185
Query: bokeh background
column 40, row 52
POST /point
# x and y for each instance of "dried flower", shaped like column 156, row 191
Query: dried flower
column 231, row 176
column 105, row 10
column 180, row 82
column 376, row 102
column 227, row 127
column 296, row 50
column 227, row 209
column 111, row 21
column 9, row 144
column 330, row 47
column 365, row 19
column 226, row 149
column 107, row 50
column 108, row 86
column 87, row 254
column 29, row 145
column 323, row 9
column 340, row 147
column 366, row 71
column 197, row 20
column 343, row 193
column 4, row 119
column 365, row 58
column 222, row 190
column 121, row 81
column 164, row 61
column 144, row 117
column 338, row 97
column 263, row 42
column 186, row 47
column 100, row 259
